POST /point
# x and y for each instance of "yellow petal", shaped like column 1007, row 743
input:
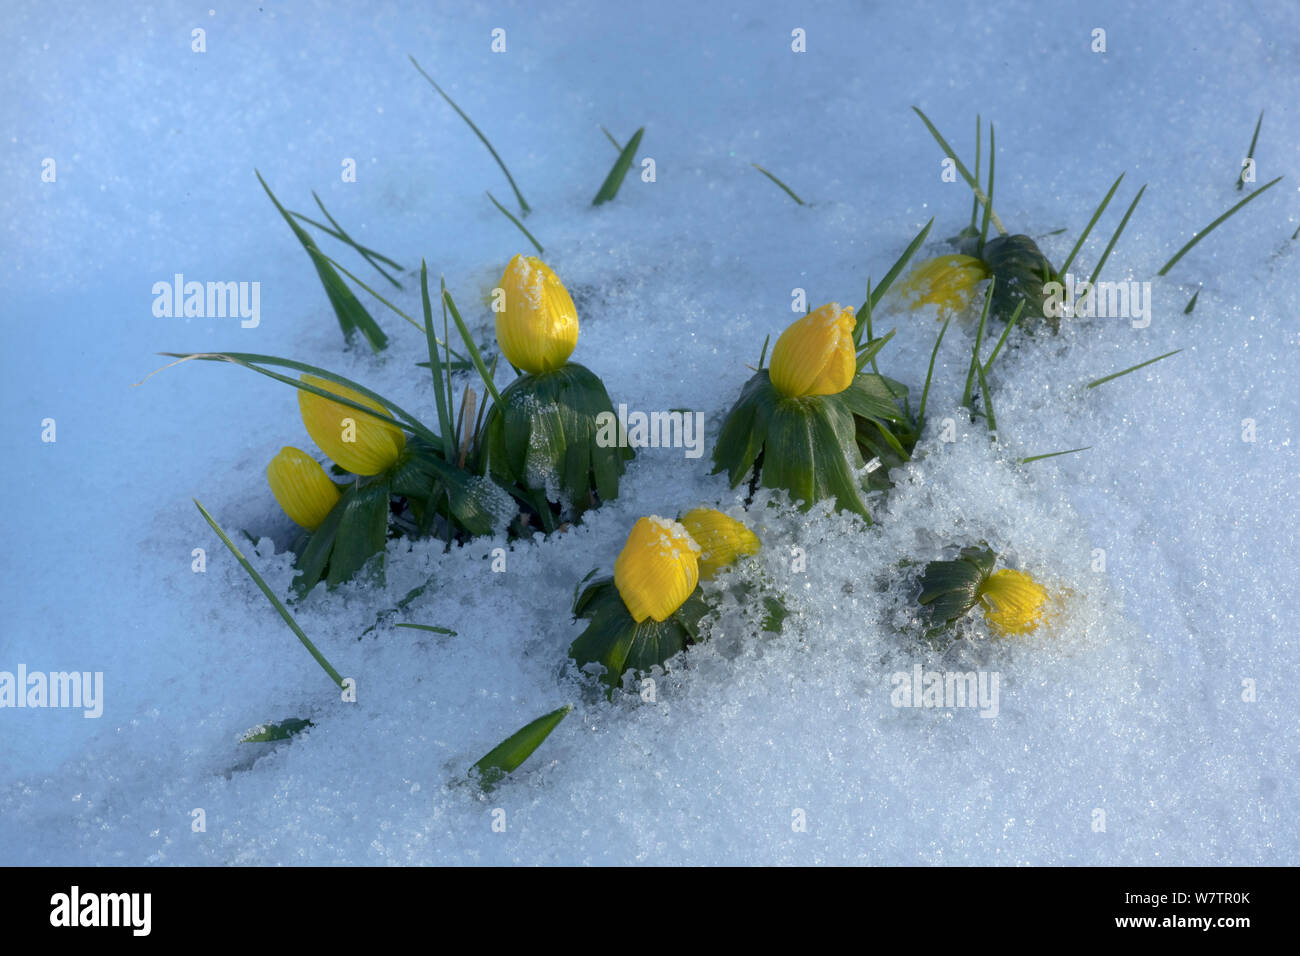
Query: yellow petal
column 355, row 441
column 722, row 539
column 816, row 355
column 1014, row 603
column 538, row 330
column 946, row 281
column 302, row 487
column 657, row 569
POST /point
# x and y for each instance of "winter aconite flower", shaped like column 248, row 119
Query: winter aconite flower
column 722, row 539
column 816, row 355
column 302, row 487
column 657, row 569
column 357, row 442
column 538, row 329
column 947, row 281
column 1014, row 603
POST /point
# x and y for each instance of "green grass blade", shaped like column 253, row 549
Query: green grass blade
column 1191, row 303
column 267, row 733
column 523, row 205
column 341, row 234
column 979, row 340
column 984, row 225
column 1052, row 454
column 1115, row 238
column 610, row 136
column 345, row 238
column 506, row 757
column 873, row 299
column 435, row 367
column 988, row 402
column 1065, row 267
column 270, row 596
column 362, row 284
column 788, row 191
column 763, row 355
column 518, row 225
column 428, row 627
column 351, row 314
column 925, row 392
column 1108, row 378
column 609, row 188
column 971, row 181
column 470, row 347
column 871, row 336
column 1015, row 317
column 253, row 362
column 1250, row 153
column 1212, row 226
column 974, row 202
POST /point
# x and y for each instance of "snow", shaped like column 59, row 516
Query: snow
column 1131, row 702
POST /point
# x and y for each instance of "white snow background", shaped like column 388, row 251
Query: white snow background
column 1131, row 702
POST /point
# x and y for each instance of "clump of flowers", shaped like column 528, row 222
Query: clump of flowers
column 393, row 479
column 541, row 437
column 651, row 608
column 811, row 422
column 1012, row 602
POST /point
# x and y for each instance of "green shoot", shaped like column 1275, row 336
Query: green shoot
column 1191, row 303
column 474, row 355
column 788, row 191
column 507, row 756
column 350, row 313
column 1211, row 227
column 1114, row 238
column 253, row 362
column 925, row 392
column 979, row 339
column 270, row 596
column 763, row 355
column 523, row 206
column 428, row 627
column 971, row 181
column 1065, row 267
column 610, row 136
column 984, row 225
column 609, row 188
column 875, row 295
column 1250, row 153
column 1052, row 454
column 974, row 202
column 988, row 402
column 435, row 365
column 1108, row 378
column 339, row 233
column 1015, row 317
column 518, row 225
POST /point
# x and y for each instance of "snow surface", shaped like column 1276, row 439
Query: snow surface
column 1131, row 702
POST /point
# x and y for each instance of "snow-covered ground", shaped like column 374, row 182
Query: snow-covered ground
column 1135, row 702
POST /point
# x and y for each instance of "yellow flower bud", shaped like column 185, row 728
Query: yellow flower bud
column 816, row 354
column 657, row 569
column 538, row 330
column 722, row 539
column 1014, row 603
column 302, row 487
column 354, row 440
column 946, row 281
